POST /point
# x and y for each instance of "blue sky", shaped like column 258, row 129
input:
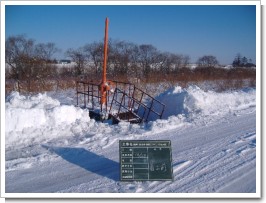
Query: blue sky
column 222, row 31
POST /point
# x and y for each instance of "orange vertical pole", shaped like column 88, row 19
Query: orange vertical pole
column 105, row 50
column 104, row 86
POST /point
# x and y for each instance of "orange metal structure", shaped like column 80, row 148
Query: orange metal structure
column 104, row 87
column 118, row 100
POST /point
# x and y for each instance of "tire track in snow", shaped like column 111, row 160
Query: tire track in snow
column 214, row 162
column 205, row 159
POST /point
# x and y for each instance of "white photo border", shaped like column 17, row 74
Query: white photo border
column 257, row 3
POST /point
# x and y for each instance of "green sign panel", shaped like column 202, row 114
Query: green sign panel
column 145, row 160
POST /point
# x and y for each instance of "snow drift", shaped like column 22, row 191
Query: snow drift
column 39, row 117
column 193, row 101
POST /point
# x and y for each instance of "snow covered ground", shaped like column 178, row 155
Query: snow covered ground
column 51, row 146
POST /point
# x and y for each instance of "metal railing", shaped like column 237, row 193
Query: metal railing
column 125, row 102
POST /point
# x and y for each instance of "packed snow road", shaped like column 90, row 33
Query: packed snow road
column 211, row 152
column 220, row 157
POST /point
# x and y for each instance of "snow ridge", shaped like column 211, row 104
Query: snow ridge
column 193, row 101
column 213, row 138
column 40, row 117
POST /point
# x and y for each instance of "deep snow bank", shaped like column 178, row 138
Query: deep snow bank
column 39, row 111
column 40, row 118
column 193, row 101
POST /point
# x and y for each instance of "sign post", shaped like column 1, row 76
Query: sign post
column 145, row 160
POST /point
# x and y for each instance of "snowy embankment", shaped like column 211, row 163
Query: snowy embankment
column 54, row 147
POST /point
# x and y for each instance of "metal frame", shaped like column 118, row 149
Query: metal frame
column 125, row 96
column 126, row 102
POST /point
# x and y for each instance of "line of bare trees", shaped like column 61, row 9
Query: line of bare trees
column 127, row 59
column 28, row 61
column 32, row 63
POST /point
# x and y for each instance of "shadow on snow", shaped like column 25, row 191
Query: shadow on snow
column 88, row 160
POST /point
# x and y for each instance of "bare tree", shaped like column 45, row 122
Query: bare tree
column 134, row 57
column 240, row 61
column 121, row 56
column 147, row 57
column 170, row 62
column 19, row 55
column 46, row 51
column 94, row 52
column 27, row 60
column 175, row 62
column 186, row 61
column 207, row 61
column 78, row 57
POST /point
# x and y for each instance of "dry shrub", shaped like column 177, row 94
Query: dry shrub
column 219, row 78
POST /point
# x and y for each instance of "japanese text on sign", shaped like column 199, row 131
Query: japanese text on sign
column 145, row 160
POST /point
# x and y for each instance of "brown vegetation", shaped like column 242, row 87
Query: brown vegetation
column 30, row 67
column 219, row 79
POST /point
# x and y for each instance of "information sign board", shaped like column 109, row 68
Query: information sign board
column 145, row 160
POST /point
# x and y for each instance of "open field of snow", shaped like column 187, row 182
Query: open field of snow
column 54, row 147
